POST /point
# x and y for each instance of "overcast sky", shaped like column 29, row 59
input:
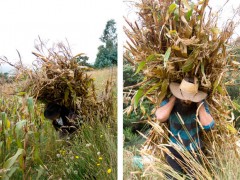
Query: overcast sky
column 80, row 21
column 214, row 4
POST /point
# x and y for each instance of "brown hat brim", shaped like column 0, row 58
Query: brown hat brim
column 174, row 87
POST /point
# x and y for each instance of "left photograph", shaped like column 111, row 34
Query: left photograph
column 58, row 94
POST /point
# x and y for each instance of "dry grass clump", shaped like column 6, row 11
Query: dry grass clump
column 220, row 162
column 174, row 39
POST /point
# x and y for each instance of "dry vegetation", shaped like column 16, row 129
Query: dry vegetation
column 101, row 76
column 174, row 39
column 30, row 147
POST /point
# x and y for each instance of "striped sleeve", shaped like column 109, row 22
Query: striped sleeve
column 210, row 126
column 164, row 102
column 206, row 106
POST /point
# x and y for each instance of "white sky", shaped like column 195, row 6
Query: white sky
column 80, row 21
column 214, row 4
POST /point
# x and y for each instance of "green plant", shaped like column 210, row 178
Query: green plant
column 107, row 53
column 30, row 148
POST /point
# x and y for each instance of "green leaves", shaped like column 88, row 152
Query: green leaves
column 19, row 126
column 30, row 105
column 163, row 90
column 4, row 120
column 166, row 57
column 153, row 88
column 171, row 8
column 151, row 57
column 189, row 14
column 40, row 171
column 143, row 63
column 143, row 92
column 107, row 53
column 22, row 93
column 215, row 85
column 9, row 163
column 137, row 97
column 140, row 67
column 188, row 65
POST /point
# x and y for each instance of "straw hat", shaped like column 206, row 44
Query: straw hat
column 187, row 90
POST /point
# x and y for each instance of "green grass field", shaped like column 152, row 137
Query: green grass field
column 30, row 148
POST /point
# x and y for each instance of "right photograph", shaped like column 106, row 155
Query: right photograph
column 181, row 74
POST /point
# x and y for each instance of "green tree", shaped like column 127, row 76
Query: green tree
column 82, row 60
column 107, row 53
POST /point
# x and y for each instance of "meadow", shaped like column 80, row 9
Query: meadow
column 30, row 148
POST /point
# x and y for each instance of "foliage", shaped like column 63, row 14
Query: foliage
column 107, row 53
column 169, row 41
column 82, row 60
column 132, row 124
column 5, row 78
column 31, row 149
column 26, row 132
column 58, row 69
column 173, row 39
column 87, row 158
column 234, row 92
column 234, row 88
column 129, row 77
column 135, row 123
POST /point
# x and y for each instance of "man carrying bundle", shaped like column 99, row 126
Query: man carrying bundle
column 181, row 111
column 61, row 119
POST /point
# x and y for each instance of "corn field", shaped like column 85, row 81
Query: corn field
column 30, row 148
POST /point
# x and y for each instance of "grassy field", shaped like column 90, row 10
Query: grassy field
column 101, row 76
column 30, row 148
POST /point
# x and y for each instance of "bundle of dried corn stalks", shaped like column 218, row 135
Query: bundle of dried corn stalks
column 173, row 39
column 58, row 77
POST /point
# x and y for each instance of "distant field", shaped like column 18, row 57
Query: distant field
column 101, row 76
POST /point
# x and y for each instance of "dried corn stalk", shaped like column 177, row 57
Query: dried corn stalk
column 59, row 78
column 173, row 39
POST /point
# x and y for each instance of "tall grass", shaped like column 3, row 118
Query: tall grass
column 101, row 75
column 220, row 161
column 91, row 154
column 30, row 148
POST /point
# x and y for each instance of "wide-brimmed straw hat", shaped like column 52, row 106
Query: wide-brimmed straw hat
column 188, row 90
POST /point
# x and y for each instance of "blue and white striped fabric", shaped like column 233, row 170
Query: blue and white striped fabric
column 186, row 132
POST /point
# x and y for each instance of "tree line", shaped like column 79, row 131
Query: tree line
column 107, row 52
